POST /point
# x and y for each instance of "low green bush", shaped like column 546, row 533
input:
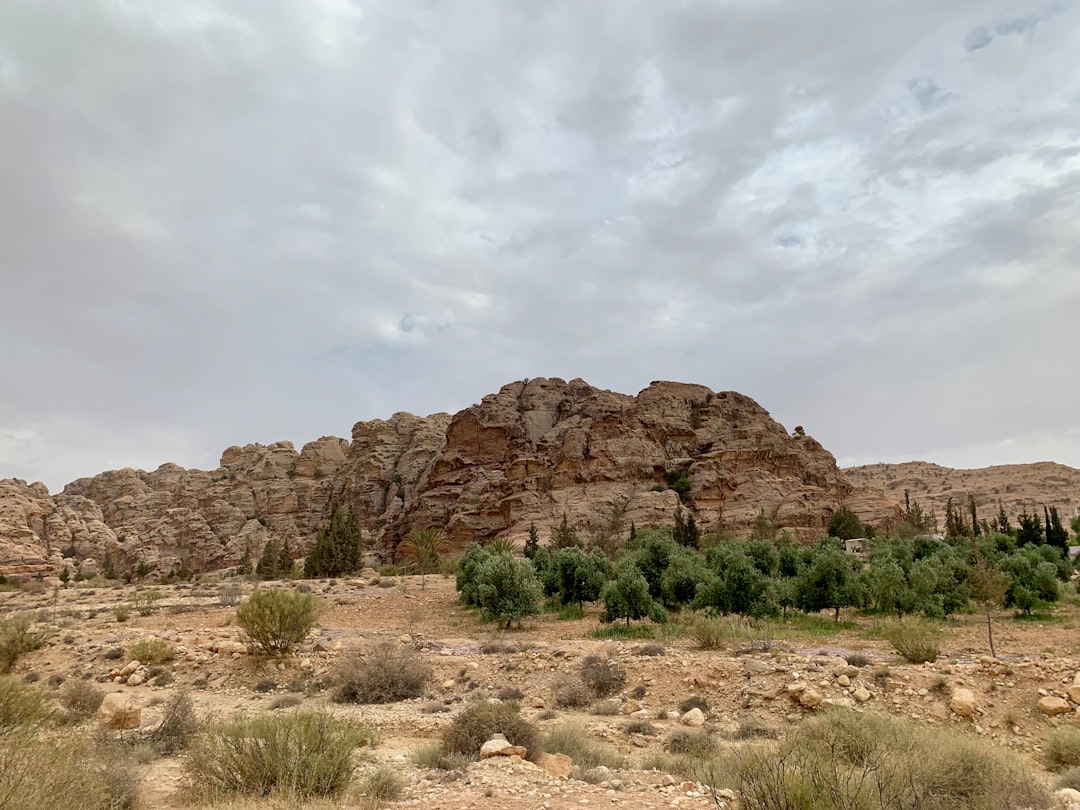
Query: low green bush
column 916, row 642
column 16, row 639
column 276, row 620
column 480, row 720
column 150, row 651
column 301, row 754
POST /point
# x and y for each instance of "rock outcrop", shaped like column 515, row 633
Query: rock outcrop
column 532, row 452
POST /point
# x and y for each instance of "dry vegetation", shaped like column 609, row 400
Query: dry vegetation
column 389, row 693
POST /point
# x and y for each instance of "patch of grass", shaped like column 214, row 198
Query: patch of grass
column 714, row 632
column 605, row 708
column 694, row 702
column 860, row 760
column 570, row 613
column 16, row 639
column 572, row 739
column 21, row 704
column 571, row 693
column 478, row 721
column 303, row 754
column 383, row 784
column 603, row 676
column 694, row 743
column 916, row 642
column 81, row 699
column 1062, row 749
column 122, row 612
column 387, row 674
column 151, row 651
column 433, row 757
column 622, row 631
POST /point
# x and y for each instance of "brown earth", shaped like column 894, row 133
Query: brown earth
column 751, row 685
column 534, row 451
column 1016, row 487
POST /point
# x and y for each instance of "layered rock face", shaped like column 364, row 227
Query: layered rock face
column 1017, row 487
column 528, row 454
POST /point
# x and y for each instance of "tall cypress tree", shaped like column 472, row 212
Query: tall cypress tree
column 339, row 546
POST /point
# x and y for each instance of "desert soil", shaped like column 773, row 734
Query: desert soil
column 747, row 685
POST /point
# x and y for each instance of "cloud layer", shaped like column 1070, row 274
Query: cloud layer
column 225, row 222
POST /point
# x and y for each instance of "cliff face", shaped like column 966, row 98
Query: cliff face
column 1016, row 487
column 529, row 453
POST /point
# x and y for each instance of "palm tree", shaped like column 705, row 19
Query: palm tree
column 424, row 548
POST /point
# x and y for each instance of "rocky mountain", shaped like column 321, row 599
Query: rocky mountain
column 1017, row 487
column 530, row 453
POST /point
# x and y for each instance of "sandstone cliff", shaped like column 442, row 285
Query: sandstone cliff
column 1017, row 487
column 529, row 453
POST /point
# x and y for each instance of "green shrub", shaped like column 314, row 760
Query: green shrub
column 302, row 754
column 572, row 739
column 478, row 721
column 846, row 759
column 16, row 638
column 151, row 651
column 386, row 674
column 122, row 612
column 383, row 784
column 49, row 774
column 275, row 620
column 20, row 703
column 81, row 698
column 1062, row 748
column 603, row 676
column 915, row 642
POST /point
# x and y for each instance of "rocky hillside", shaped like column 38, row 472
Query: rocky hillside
column 530, row 453
column 1016, row 486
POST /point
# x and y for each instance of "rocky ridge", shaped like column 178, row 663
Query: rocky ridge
column 530, row 453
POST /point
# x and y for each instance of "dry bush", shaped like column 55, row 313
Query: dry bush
column 917, row 643
column 651, row 650
column 151, row 651
column 571, row 693
column 606, row 708
column 383, row 784
column 572, row 739
column 642, row 727
column 81, row 698
column 1069, row 779
column 603, row 676
column 302, row 754
column 1062, row 749
column 386, row 674
column 480, row 720
column 16, row 638
column 286, row 702
column 857, row 659
column 845, row 759
column 20, row 703
column 693, row 743
column 229, row 594
column 433, row 756
column 178, row 726
column 694, row 702
column 276, row 620
column 51, row 774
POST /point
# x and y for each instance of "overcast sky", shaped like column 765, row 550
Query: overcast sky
column 230, row 222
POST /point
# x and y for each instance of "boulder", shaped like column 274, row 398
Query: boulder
column 1052, row 706
column 962, row 702
column 558, row 765
column 499, row 746
column 810, row 698
column 695, row 718
column 119, row 711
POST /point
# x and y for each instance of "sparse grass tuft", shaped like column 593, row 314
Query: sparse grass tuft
column 917, row 643
column 642, row 727
column 1062, row 750
column 603, row 676
column 21, row 704
column 383, row 784
column 151, row 651
column 433, row 756
column 861, row 760
column 386, row 674
column 16, row 639
column 572, row 739
column 303, row 754
column 651, row 650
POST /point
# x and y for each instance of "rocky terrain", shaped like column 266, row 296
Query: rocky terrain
column 534, row 451
column 1017, row 487
column 746, row 693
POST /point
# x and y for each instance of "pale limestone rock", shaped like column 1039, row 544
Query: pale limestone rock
column 810, row 698
column 962, row 702
column 1067, row 799
column 1052, row 705
column 119, row 711
column 498, row 746
column 862, row 694
column 695, row 718
column 559, row 766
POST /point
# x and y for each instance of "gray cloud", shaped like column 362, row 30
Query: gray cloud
column 225, row 222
